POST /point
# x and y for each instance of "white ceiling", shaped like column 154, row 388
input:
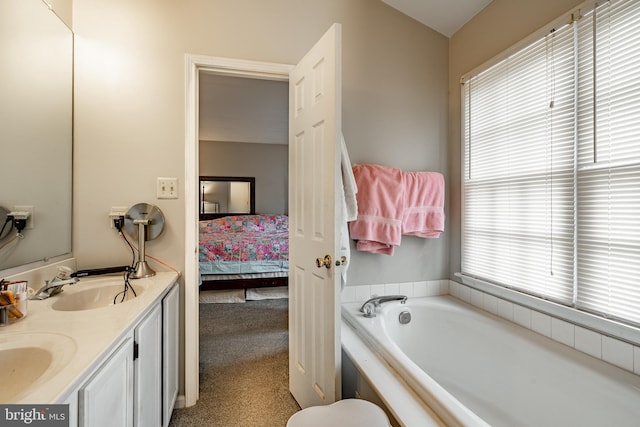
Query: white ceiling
column 444, row 16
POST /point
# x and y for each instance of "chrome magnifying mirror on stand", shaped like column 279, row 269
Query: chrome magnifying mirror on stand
column 144, row 222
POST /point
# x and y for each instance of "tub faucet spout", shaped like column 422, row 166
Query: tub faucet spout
column 370, row 307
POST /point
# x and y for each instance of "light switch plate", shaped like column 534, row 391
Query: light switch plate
column 167, row 188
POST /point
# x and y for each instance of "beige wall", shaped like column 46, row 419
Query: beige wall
column 497, row 27
column 129, row 124
column 267, row 163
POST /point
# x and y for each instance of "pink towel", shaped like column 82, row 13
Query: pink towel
column 378, row 227
column 423, row 213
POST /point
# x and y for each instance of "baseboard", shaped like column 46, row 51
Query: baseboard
column 180, row 402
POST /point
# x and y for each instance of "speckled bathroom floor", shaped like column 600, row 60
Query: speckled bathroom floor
column 244, row 373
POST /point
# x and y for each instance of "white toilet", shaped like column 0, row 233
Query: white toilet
column 343, row 413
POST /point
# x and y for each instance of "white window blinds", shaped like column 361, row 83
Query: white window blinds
column 519, row 161
column 608, row 196
column 552, row 165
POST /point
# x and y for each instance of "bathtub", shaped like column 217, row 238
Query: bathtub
column 475, row 369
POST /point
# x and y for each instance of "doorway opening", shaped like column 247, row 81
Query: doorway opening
column 195, row 65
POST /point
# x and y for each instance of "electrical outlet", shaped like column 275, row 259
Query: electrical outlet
column 31, row 219
column 167, row 188
column 117, row 211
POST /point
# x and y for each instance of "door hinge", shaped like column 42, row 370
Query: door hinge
column 135, row 350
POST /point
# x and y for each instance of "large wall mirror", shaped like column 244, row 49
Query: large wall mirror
column 223, row 195
column 36, row 122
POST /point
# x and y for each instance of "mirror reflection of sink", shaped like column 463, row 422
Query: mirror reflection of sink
column 30, row 359
column 93, row 297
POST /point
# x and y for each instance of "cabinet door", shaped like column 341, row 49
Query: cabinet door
column 170, row 325
column 147, row 367
column 106, row 399
column 72, row 401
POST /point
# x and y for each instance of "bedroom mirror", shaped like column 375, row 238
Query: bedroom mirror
column 36, row 121
column 223, row 195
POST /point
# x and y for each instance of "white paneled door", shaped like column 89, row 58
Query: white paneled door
column 314, row 291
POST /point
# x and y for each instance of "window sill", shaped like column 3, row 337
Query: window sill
column 611, row 328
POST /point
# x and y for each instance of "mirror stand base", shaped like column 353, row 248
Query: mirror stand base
column 142, row 270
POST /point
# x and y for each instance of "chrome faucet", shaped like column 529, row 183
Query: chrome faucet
column 54, row 286
column 370, row 307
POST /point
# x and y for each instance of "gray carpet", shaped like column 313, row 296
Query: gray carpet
column 244, row 371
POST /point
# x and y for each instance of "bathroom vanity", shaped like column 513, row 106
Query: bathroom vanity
column 113, row 364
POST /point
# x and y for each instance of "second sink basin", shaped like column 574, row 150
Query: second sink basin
column 95, row 297
column 29, row 359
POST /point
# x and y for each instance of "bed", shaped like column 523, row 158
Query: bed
column 244, row 251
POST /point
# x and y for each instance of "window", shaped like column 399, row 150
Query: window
column 552, row 165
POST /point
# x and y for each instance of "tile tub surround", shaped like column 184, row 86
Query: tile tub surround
column 617, row 352
column 410, row 289
column 620, row 353
column 94, row 332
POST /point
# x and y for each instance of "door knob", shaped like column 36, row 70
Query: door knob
column 341, row 261
column 324, row 262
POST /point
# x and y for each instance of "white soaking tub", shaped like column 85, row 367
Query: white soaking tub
column 473, row 368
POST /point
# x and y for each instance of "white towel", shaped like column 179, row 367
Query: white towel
column 349, row 187
column 349, row 207
column 345, row 248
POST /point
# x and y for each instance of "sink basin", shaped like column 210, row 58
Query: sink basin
column 94, row 297
column 30, row 359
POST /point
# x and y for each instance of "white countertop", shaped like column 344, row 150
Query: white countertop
column 94, row 332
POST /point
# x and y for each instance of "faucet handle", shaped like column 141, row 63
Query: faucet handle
column 369, row 309
column 64, row 272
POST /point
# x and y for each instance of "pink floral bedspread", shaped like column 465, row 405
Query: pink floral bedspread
column 244, row 244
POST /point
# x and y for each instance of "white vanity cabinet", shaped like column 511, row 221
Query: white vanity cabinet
column 72, row 401
column 137, row 384
column 170, row 349
column 106, row 399
column 156, row 363
column 147, row 354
